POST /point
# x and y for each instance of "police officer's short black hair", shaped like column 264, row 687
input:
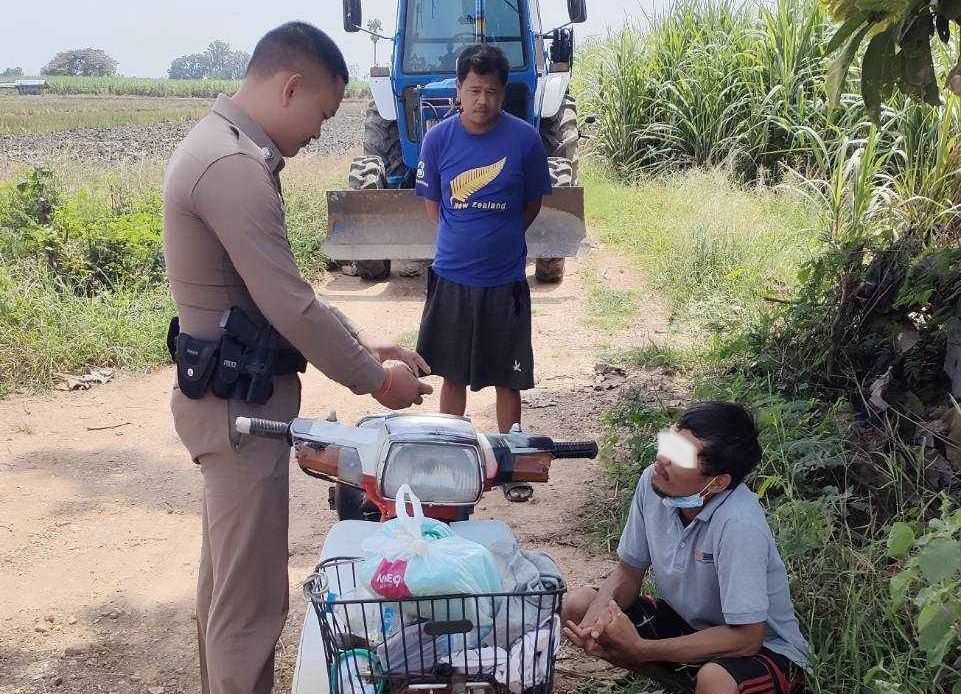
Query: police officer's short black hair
column 296, row 45
column 730, row 439
column 484, row 59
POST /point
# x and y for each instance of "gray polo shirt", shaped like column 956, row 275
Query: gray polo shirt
column 723, row 568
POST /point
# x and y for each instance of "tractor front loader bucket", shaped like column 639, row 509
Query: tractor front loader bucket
column 392, row 224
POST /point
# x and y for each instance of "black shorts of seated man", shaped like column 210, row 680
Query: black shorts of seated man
column 723, row 621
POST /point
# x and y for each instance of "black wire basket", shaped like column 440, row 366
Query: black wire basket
column 492, row 642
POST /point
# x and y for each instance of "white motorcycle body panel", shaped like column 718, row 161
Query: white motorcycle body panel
column 310, row 673
column 344, row 540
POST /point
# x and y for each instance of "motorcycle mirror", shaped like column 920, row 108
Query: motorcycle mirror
column 353, row 16
column 577, row 11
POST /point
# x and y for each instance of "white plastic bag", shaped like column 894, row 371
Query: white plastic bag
column 530, row 657
column 371, row 619
column 413, row 651
column 480, row 661
column 414, row 556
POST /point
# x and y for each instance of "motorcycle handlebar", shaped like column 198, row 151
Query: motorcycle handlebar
column 271, row 429
column 265, row 428
column 575, row 449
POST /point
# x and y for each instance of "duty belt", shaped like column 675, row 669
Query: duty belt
column 240, row 365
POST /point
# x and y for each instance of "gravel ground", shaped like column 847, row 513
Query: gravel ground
column 131, row 143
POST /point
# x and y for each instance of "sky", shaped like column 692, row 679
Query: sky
column 143, row 37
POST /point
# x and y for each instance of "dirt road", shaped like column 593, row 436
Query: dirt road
column 99, row 504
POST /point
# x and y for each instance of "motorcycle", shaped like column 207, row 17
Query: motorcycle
column 447, row 466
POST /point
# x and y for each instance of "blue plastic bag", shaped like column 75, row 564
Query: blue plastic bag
column 412, row 556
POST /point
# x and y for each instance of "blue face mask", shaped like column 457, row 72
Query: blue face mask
column 692, row 501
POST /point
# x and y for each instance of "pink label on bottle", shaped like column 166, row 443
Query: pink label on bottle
column 388, row 579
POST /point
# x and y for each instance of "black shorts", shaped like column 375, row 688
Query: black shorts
column 765, row 673
column 478, row 336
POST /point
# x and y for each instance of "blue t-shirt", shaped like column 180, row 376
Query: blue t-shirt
column 482, row 183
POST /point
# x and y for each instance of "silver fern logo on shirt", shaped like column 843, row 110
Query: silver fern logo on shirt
column 465, row 185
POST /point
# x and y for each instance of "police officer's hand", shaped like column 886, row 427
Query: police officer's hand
column 401, row 388
column 388, row 351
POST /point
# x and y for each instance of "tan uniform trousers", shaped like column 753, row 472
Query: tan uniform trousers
column 242, row 591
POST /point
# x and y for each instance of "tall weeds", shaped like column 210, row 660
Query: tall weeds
column 710, row 83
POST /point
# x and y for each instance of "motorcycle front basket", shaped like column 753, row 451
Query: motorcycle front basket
column 491, row 642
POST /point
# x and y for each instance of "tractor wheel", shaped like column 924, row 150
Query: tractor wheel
column 367, row 173
column 382, row 139
column 562, row 172
column 560, row 137
column 551, row 270
column 560, row 134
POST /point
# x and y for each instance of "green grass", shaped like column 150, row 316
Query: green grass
column 106, row 102
column 408, row 339
column 305, row 186
column 51, row 113
column 711, row 248
column 672, row 359
column 609, row 310
column 46, row 331
column 140, row 86
column 69, row 300
column 718, row 83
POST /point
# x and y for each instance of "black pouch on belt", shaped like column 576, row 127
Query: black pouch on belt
column 227, row 375
column 196, row 361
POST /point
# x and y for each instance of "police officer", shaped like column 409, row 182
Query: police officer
column 226, row 246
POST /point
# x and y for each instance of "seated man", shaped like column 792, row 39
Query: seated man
column 724, row 620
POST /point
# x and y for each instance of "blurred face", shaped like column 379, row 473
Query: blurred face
column 305, row 104
column 677, row 468
column 481, row 97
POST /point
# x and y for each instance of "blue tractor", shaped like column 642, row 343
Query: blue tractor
column 378, row 219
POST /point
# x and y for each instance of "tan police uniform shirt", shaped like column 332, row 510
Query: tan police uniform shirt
column 225, row 244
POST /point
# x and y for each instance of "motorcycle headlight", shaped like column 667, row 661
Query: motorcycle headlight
column 437, row 473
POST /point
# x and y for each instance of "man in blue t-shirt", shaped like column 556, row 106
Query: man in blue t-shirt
column 482, row 175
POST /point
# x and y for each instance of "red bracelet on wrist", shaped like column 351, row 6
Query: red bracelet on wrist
column 385, row 386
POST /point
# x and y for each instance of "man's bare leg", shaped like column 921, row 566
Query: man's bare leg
column 508, row 408
column 453, row 398
column 713, row 679
column 576, row 604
